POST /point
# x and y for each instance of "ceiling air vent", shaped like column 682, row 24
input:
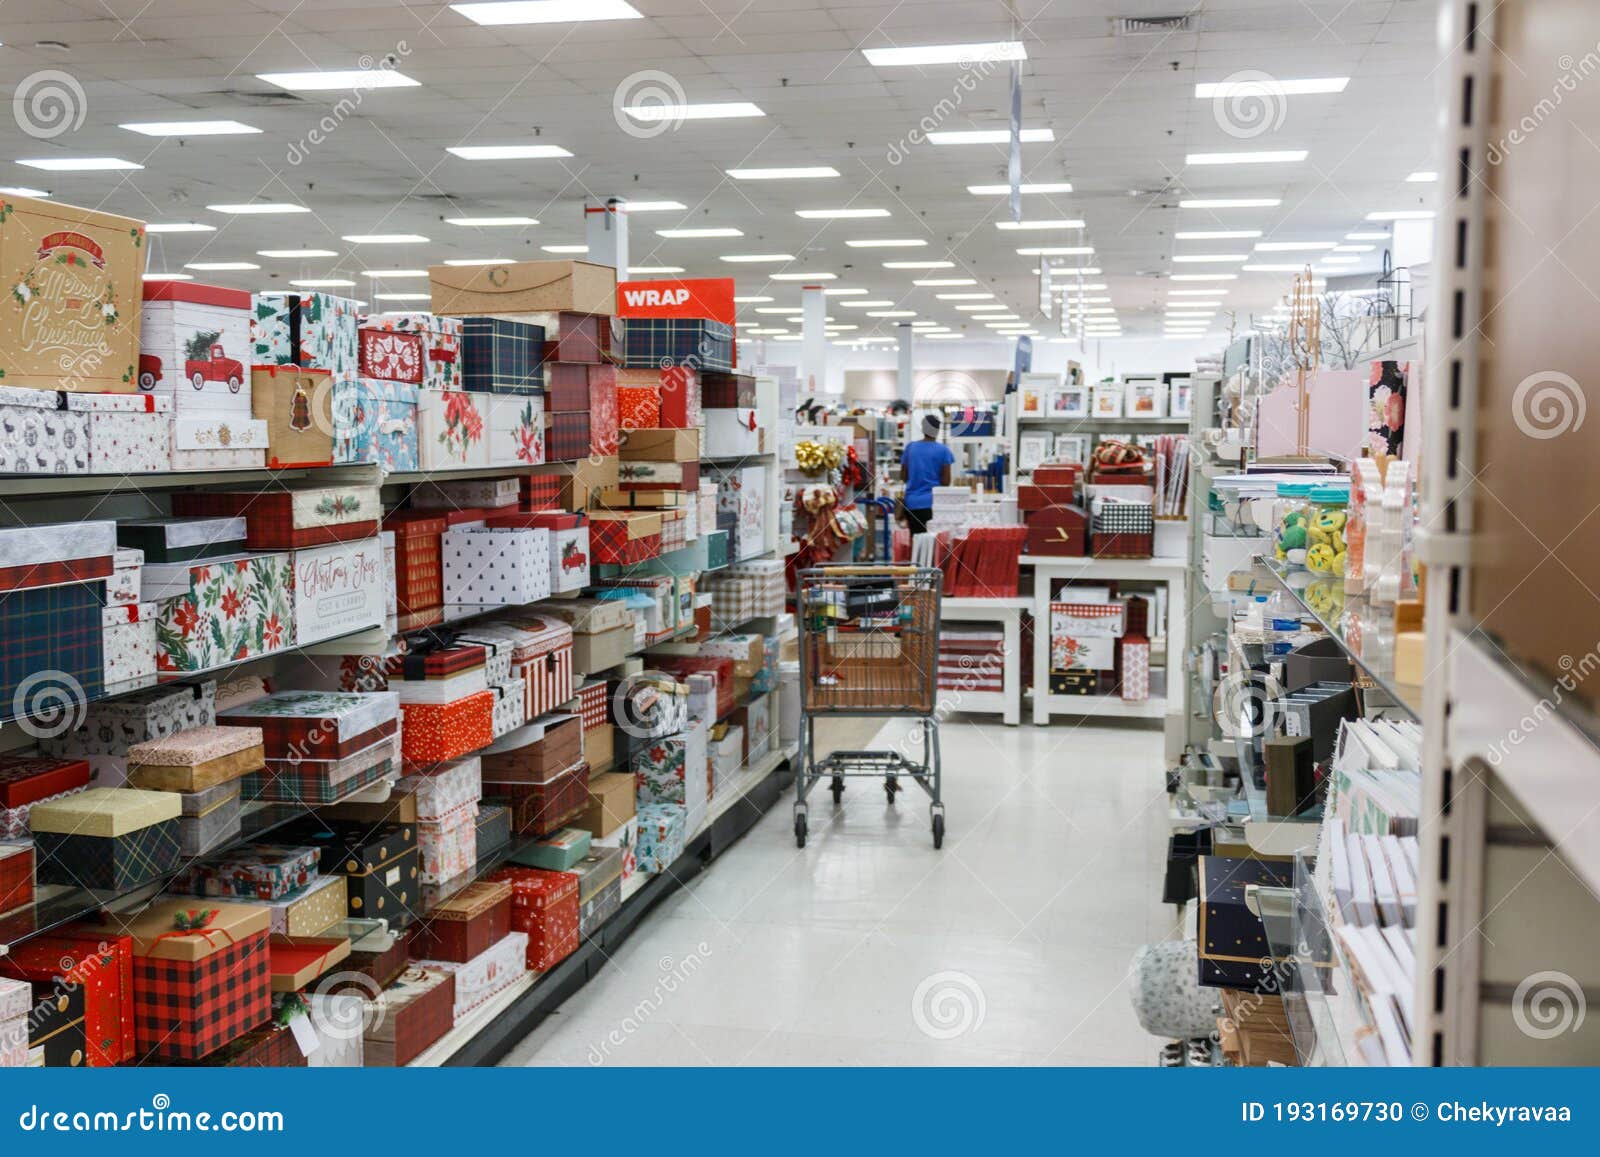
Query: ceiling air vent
column 1148, row 25
column 251, row 99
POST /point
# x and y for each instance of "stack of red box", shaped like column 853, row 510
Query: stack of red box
column 418, row 561
column 983, row 565
column 1056, row 524
column 545, row 906
column 98, row 961
column 580, row 397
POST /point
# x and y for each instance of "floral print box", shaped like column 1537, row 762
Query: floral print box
column 221, row 610
column 452, row 429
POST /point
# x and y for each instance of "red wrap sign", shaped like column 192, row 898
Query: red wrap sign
column 710, row 298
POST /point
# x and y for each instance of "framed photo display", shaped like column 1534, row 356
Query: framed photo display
column 1069, row 402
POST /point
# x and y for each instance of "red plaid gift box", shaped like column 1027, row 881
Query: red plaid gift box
column 391, row 355
column 418, row 558
column 290, row 519
column 202, row 976
column 624, row 537
column 26, row 779
column 572, row 337
column 604, row 419
column 592, row 704
column 434, row 732
column 566, row 386
column 568, row 438
column 16, row 876
column 541, row 492
column 545, row 906
column 43, row 556
column 100, row 963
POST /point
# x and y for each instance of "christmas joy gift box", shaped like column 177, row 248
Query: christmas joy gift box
column 441, row 344
column 544, row 905
column 538, row 808
column 419, row 569
column 339, row 589
column 110, row 727
column 390, row 355
column 318, row 724
column 323, row 781
column 109, row 838
column 183, row 539
column 499, row 356
column 523, row 287
column 612, row 802
column 503, row 566
column 296, row 403
column 90, row 959
column 435, row 732
column 71, row 320
column 218, row 441
column 194, row 346
column 663, row 831
column 195, row 760
column 27, row 779
column 39, row 435
column 452, row 430
column 127, row 432
column 375, row 421
column 703, row 344
column 378, row 863
column 448, row 847
column 210, row 818
column 416, row 1010
column 315, row 330
column 288, row 519
column 624, row 537
column 516, row 430
column 732, row 433
column 557, row 852
column 491, row 971
column 201, row 976
column 254, row 872
column 465, row 925
column 221, row 610
column 16, row 876
column 443, row 789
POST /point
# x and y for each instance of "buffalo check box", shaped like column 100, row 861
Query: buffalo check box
column 419, row 569
column 644, row 444
column 107, row 838
column 375, row 422
column 318, row 724
column 663, row 831
column 296, row 403
column 194, row 347
column 196, row 759
column 500, row 356
column 732, row 433
column 452, row 430
column 255, row 872
column 459, row 493
column 501, row 566
column 416, row 1010
column 620, row 537
column 221, row 610
column 444, row 789
column 390, row 355
column 544, row 906
column 338, row 589
column 323, row 781
column 210, row 818
column 378, row 862
column 557, row 852
column 16, row 876
column 287, row 519
column 218, row 441
column 183, row 539
column 315, row 330
column 721, row 390
column 128, row 433
column 441, row 344
column 465, row 925
column 201, row 976
column 703, row 344
column 39, row 435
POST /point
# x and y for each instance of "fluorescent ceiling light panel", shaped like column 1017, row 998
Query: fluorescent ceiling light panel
column 888, row 243
column 968, row 307
column 1256, row 157
column 169, row 277
column 1194, row 292
column 547, row 11
column 990, row 137
column 962, row 54
column 1217, row 234
column 79, row 164
column 1057, row 251
column 839, row 214
column 653, row 206
column 964, row 296
column 931, row 282
column 403, row 296
column 25, row 191
column 843, row 292
column 1211, row 258
column 645, row 270
column 323, row 283
column 332, row 80
column 394, row 273
column 220, row 266
column 507, row 152
column 188, row 128
column 1231, row 203
column 942, row 336
column 1058, row 223
column 1353, row 248
column 1270, row 87
column 295, row 254
column 874, row 303
column 1366, row 237
column 385, row 238
column 1005, row 190
column 259, row 208
column 489, row 222
column 177, row 227
column 919, row 264
column 798, row 173
column 776, row 310
column 674, row 111
column 1206, row 276
column 1273, row 267
column 1294, row 246
column 804, row 276
column 1422, row 177
column 478, row 261
column 1340, row 259
column 1401, row 215
column 750, row 300
column 757, row 258
column 685, row 234
column 892, row 313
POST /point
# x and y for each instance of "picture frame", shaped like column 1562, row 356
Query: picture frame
column 1033, row 393
column 1071, row 448
column 1069, row 402
column 1146, row 399
column 1105, row 400
column 1032, row 449
column 1182, row 401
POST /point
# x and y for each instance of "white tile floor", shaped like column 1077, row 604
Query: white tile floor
column 869, row 947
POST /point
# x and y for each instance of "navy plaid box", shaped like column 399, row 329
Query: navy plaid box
column 112, row 864
column 54, row 637
column 501, row 357
column 655, row 342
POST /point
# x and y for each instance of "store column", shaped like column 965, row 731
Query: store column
column 606, row 223
column 814, row 340
column 907, row 391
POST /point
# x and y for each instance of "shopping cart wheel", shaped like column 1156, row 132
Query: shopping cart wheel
column 799, row 829
column 837, row 787
column 890, row 786
column 938, row 830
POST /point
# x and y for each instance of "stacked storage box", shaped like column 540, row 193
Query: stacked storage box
column 675, row 770
column 321, row 746
column 540, row 652
column 742, row 508
column 1056, row 524
column 445, row 700
column 447, row 796
column 203, row 766
column 660, row 458
column 501, row 372
column 539, row 772
column 52, row 596
column 581, row 388
column 111, row 727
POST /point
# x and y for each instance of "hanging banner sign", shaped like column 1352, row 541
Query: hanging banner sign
column 709, row 297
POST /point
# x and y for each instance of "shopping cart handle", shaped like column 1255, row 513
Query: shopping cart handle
column 843, row 571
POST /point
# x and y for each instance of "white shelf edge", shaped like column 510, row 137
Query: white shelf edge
column 475, row 1022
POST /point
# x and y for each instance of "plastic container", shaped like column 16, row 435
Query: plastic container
column 1326, row 518
column 1291, row 534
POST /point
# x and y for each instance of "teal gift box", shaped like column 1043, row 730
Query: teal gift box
column 375, row 422
column 556, row 853
column 663, row 830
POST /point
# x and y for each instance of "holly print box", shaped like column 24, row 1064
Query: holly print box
column 221, row 610
column 452, row 430
column 516, row 428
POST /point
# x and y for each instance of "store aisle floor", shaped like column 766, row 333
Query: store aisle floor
column 1010, row 946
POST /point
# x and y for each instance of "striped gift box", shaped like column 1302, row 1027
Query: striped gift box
column 499, row 356
column 549, row 671
column 703, row 344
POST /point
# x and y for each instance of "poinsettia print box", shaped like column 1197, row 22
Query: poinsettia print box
column 221, row 610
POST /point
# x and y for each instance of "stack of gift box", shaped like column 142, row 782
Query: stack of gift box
column 1057, row 524
column 204, row 767
column 611, row 820
column 111, row 727
column 446, row 798
column 744, row 591
column 321, row 746
column 444, row 698
column 603, row 632
column 539, row 772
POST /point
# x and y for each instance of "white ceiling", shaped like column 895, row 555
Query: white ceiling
column 1122, row 109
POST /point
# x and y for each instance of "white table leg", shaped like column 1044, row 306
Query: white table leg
column 1012, row 685
column 1042, row 576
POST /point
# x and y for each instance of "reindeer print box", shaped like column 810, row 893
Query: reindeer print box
column 194, row 345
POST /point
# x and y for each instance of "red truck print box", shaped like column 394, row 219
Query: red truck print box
column 194, row 346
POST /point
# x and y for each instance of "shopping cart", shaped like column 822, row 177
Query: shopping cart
column 869, row 646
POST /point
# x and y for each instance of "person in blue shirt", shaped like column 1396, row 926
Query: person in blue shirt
column 924, row 465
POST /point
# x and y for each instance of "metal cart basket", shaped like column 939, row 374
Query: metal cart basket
column 869, row 646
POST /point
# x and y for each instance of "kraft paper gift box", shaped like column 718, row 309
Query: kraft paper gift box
column 323, row 781
column 76, row 282
column 254, row 872
column 434, row 732
column 732, row 433
column 378, row 863
column 218, row 441
column 296, row 403
column 523, row 287
column 494, row 832
column 557, row 852
column 602, row 651
column 16, row 876
column 86, row 958
column 626, row 840
column 544, row 907
column 722, row 390
column 500, row 356
column 127, row 432
column 109, row 838
column 375, row 422
column 516, row 430
column 182, row 539
column 568, row 436
column 196, row 759
column 194, row 346
column 285, row 519
column 444, row 789
column 416, row 1010
column 39, row 435
column 338, row 589
column 317, row 724
column 448, row 847
column 452, row 430
column 663, row 831
column 496, row 567
column 390, row 355
column 315, row 330
column 467, row 924
column 210, row 818
column 493, row 970
column 201, row 976
column 419, row 569
column 697, row 342
column 647, row 444
column 612, row 803
column 441, row 344
column 221, row 610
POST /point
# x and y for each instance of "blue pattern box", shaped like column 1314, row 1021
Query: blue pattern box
column 499, row 356
column 375, row 421
column 663, row 831
column 657, row 342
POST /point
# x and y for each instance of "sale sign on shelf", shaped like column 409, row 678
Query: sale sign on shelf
column 709, row 297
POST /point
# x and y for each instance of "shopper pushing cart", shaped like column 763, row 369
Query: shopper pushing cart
column 869, row 646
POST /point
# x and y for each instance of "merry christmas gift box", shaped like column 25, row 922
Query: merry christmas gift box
column 210, row 818
column 339, row 589
column 390, row 355
column 194, row 346
column 441, row 344
column 221, row 610
column 435, row 732
column 315, row 330
column 323, row 781
column 663, row 831
column 296, row 403
column 196, row 759
column 218, row 440
column 503, row 566
column 91, row 959
column 183, row 539
column 500, row 356
column 291, row 518
column 377, row 861
column 71, row 320
column 703, row 344
column 127, row 432
column 492, row 971
column 201, row 976
column 459, row 493
column 466, row 925
column 375, row 421
column 109, row 838
column 443, row 789
column 540, row 806
column 16, row 876
column 722, row 390
column 254, row 872
column 544, row 906
column 416, row 1010
column 26, row 779
column 318, row 724
column 452, row 430
column 516, row 426
column 419, row 569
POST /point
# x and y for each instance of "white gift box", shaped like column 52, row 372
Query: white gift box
column 127, row 432
column 452, row 430
column 39, row 436
column 391, row 588
column 338, row 588
column 510, row 706
column 496, row 967
column 130, row 642
column 516, row 429
column 569, row 559
column 446, row 787
column 123, row 586
column 194, row 347
column 731, row 433
column 496, row 566
column 218, row 441
column 445, row 689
